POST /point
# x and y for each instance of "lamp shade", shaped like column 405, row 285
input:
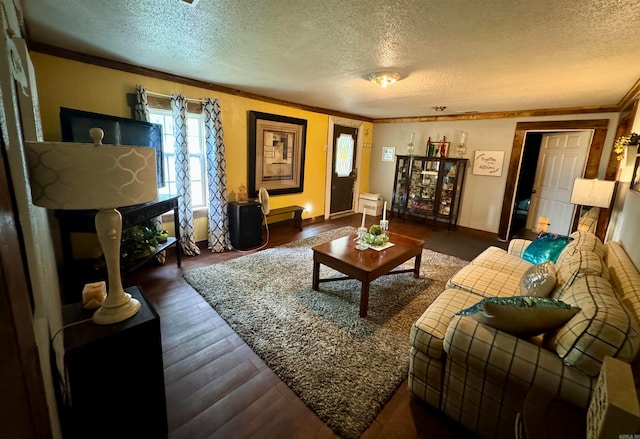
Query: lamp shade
column 592, row 192
column 67, row 175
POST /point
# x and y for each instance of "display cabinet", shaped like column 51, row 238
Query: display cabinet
column 428, row 187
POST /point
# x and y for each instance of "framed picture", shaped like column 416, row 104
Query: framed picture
column 440, row 149
column 635, row 181
column 388, row 153
column 276, row 153
column 488, row 163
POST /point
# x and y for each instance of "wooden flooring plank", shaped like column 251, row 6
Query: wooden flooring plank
column 210, row 419
column 225, row 367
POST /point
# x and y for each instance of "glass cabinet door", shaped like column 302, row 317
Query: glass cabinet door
column 450, row 189
column 424, row 180
column 402, row 171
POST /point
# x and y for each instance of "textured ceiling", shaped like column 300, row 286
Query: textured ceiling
column 467, row 55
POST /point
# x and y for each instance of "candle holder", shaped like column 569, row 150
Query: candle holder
column 384, row 225
column 361, row 244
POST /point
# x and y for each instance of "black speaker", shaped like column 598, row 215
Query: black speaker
column 245, row 225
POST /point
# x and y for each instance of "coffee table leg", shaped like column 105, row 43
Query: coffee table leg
column 316, row 275
column 364, row 298
column 416, row 267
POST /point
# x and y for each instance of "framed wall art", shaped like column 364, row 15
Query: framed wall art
column 388, row 153
column 276, row 153
column 488, row 163
column 635, row 181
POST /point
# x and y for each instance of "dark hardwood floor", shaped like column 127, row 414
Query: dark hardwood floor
column 216, row 386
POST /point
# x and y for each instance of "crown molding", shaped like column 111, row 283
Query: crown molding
column 130, row 68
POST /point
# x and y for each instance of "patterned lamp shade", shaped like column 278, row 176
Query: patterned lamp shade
column 93, row 176
column 86, row 176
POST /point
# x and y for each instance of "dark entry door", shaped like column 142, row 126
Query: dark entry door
column 343, row 167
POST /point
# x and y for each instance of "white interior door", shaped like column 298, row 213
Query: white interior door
column 561, row 161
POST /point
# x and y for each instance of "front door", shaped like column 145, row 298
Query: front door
column 343, row 169
column 561, row 161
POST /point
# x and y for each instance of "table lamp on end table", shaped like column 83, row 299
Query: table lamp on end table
column 67, row 175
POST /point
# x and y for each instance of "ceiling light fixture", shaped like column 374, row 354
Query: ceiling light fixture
column 439, row 107
column 384, row 79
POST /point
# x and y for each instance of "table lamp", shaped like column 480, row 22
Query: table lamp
column 66, row 175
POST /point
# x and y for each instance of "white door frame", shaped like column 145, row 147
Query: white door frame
column 346, row 123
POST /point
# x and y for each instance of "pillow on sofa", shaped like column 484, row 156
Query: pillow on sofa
column 603, row 327
column 580, row 264
column 589, row 221
column 520, row 315
column 546, row 247
column 539, row 280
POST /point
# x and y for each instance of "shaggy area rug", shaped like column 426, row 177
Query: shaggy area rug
column 343, row 367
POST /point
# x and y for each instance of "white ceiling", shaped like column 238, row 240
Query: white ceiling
column 467, row 55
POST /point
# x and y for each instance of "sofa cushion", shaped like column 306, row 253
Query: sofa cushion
column 539, row 280
column 427, row 333
column 486, row 282
column 498, row 259
column 583, row 241
column 523, row 316
column 589, row 221
column 518, row 246
column 579, row 264
column 624, row 276
column 602, row 327
column 546, row 247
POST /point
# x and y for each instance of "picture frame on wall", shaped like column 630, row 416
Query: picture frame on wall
column 276, row 152
column 388, row 153
column 635, row 181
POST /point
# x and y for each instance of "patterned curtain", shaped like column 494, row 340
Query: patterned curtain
column 142, row 105
column 218, row 239
column 183, row 177
column 141, row 111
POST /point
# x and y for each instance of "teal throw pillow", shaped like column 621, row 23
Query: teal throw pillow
column 522, row 316
column 546, row 247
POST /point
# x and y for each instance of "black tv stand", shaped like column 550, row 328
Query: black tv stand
column 76, row 221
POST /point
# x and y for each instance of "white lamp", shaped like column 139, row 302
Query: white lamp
column 94, row 176
column 592, row 192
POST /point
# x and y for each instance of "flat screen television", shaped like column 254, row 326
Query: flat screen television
column 76, row 124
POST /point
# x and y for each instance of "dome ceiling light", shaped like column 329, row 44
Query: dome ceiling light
column 383, row 79
column 439, row 108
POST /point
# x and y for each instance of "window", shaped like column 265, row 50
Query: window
column 197, row 162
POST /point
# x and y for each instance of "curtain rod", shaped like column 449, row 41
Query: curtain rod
column 162, row 95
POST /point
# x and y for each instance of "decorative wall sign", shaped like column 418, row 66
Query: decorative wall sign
column 488, row 163
column 276, row 153
column 388, row 153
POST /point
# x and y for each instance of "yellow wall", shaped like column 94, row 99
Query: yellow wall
column 66, row 83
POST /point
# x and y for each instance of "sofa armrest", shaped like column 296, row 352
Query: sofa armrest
column 514, row 363
column 518, row 246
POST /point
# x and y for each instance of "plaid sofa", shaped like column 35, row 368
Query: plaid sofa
column 479, row 376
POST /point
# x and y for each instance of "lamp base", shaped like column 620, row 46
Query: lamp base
column 106, row 315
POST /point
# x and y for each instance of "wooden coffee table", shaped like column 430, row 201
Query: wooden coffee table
column 365, row 265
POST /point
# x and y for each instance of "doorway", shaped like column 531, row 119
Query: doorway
column 343, row 155
column 522, row 158
column 343, row 169
column 551, row 162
